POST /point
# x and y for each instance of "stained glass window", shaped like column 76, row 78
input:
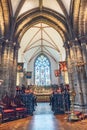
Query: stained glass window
column 42, row 71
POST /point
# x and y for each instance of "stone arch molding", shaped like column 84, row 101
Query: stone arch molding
column 56, row 21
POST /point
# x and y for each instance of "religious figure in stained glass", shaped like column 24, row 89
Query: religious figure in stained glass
column 42, row 71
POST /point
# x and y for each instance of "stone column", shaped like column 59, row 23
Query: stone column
column 78, row 74
column 76, row 56
column 1, row 88
column 7, row 68
column 84, row 52
column 0, row 52
column 15, row 60
column 79, row 100
column 68, row 60
column 82, row 72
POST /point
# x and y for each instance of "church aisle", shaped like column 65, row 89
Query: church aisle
column 44, row 119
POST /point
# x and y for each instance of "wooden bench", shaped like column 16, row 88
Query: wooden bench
column 21, row 110
column 7, row 111
column 12, row 108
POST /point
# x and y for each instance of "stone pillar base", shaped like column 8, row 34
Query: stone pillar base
column 82, row 108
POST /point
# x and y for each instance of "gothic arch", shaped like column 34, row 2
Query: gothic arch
column 49, row 17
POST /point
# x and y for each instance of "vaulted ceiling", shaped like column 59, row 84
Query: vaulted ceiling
column 42, row 25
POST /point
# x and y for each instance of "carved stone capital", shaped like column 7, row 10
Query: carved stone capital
column 70, row 43
column 83, row 39
column 74, row 42
column 8, row 43
column 17, row 46
column 66, row 46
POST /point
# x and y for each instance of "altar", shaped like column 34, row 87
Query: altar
column 43, row 93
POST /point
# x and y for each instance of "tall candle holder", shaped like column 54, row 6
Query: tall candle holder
column 72, row 116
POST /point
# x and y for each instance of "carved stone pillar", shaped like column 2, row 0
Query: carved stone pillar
column 15, row 60
column 7, row 73
column 68, row 60
column 73, row 72
column 84, row 52
column 78, row 74
column 0, row 52
column 82, row 72
column 1, row 89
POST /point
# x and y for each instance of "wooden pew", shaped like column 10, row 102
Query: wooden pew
column 6, row 109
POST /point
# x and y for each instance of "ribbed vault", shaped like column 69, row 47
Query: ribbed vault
column 47, row 16
column 79, row 17
column 76, row 14
column 4, row 17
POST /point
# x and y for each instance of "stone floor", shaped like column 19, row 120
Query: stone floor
column 44, row 119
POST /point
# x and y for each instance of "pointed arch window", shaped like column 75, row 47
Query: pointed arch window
column 42, row 71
